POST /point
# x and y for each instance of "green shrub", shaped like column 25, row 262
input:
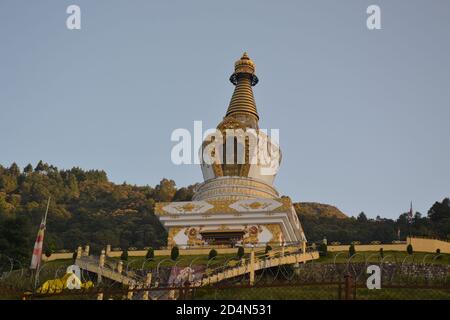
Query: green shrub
column 240, row 252
column 438, row 252
column 381, row 253
column 212, row 254
column 124, row 255
column 323, row 250
column 409, row 249
column 174, row 253
column 48, row 252
column 351, row 250
column 150, row 253
column 268, row 249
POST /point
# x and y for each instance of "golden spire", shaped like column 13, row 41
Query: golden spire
column 242, row 105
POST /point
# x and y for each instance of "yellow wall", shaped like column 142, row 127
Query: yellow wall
column 58, row 256
column 430, row 245
column 418, row 244
column 369, row 247
column 183, row 252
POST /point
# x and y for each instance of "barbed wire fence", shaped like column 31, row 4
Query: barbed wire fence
column 344, row 277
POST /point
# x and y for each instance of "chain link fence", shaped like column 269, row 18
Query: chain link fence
column 338, row 279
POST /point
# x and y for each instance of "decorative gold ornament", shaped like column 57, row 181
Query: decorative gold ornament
column 172, row 234
column 256, row 205
column 251, row 235
column 193, row 235
column 275, row 230
column 188, row 207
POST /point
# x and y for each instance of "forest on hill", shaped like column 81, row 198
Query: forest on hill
column 87, row 208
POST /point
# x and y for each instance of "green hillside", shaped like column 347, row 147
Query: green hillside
column 318, row 209
column 87, row 208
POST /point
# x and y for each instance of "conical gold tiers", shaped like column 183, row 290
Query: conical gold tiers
column 242, row 105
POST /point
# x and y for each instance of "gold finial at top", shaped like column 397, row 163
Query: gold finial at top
column 244, row 65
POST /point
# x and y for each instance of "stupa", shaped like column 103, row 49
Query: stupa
column 237, row 203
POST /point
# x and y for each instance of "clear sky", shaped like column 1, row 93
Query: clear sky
column 364, row 116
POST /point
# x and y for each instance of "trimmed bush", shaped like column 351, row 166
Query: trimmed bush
column 439, row 256
column 124, row 255
column 174, row 253
column 409, row 249
column 150, row 253
column 323, row 250
column 351, row 250
column 268, row 249
column 212, row 254
column 381, row 253
column 240, row 252
column 48, row 253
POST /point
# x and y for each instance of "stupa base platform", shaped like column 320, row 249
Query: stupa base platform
column 222, row 223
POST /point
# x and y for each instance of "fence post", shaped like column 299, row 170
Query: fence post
column 252, row 267
column 101, row 264
column 340, row 290
column 148, row 283
column 347, row 286
column 130, row 292
column 101, row 260
column 79, row 252
column 120, row 267
column 86, row 250
column 187, row 284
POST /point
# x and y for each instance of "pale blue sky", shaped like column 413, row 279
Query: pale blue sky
column 364, row 116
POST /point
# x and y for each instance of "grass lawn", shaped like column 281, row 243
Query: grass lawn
column 182, row 261
column 319, row 292
column 390, row 256
column 323, row 292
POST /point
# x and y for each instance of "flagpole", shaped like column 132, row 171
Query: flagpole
column 410, row 222
column 38, row 267
column 46, row 211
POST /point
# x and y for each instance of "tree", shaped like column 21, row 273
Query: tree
column 409, row 249
column 174, row 253
column 165, row 191
column 41, row 166
column 240, row 252
column 440, row 211
column 124, row 255
column 28, row 169
column 362, row 217
column 184, row 194
column 150, row 253
column 212, row 254
column 439, row 215
column 15, row 238
column 351, row 250
column 14, row 170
